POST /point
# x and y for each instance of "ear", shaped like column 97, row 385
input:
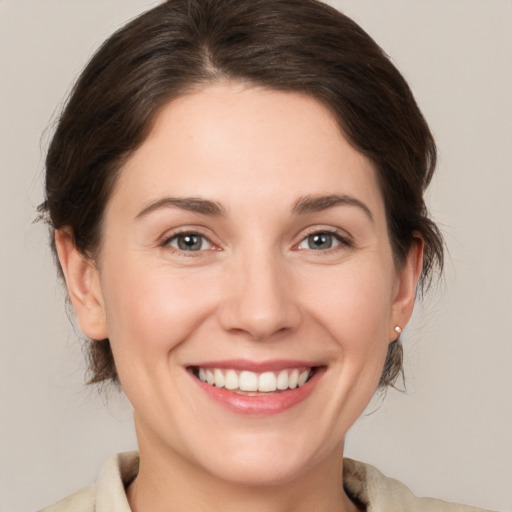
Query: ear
column 83, row 283
column 405, row 290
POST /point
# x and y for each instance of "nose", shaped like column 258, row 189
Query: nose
column 260, row 299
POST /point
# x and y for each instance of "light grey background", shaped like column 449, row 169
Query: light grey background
column 450, row 436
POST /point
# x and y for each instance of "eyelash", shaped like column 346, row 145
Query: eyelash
column 175, row 236
column 343, row 241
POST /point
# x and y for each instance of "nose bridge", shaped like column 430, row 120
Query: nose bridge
column 260, row 301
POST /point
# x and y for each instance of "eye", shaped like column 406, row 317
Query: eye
column 321, row 241
column 190, row 242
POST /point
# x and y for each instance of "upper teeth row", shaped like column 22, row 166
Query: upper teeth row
column 250, row 381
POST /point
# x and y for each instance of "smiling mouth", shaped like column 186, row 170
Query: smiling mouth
column 254, row 383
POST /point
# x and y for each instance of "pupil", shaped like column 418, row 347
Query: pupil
column 189, row 242
column 320, row 241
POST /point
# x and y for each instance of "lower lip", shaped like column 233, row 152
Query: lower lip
column 271, row 403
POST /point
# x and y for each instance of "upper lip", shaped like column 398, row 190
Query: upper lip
column 255, row 366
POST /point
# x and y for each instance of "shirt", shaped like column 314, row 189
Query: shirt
column 362, row 482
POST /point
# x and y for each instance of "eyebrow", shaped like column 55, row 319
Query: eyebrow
column 306, row 204
column 311, row 204
column 191, row 204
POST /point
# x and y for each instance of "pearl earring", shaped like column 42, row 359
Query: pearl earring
column 398, row 330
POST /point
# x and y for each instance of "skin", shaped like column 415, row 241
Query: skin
column 257, row 290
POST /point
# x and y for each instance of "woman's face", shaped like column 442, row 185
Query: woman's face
column 246, row 244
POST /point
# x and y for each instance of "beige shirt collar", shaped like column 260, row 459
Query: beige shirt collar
column 362, row 482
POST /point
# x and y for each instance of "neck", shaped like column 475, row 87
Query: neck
column 167, row 481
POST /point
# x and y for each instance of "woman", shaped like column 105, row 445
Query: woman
column 236, row 191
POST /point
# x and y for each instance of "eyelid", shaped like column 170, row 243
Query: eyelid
column 342, row 236
column 345, row 239
column 166, row 239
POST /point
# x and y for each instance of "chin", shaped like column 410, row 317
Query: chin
column 264, row 461
column 259, row 471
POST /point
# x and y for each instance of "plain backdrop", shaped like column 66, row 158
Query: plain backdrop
column 450, row 435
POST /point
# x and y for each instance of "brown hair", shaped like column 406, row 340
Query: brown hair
column 288, row 45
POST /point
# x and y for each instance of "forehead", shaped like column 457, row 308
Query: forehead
column 231, row 141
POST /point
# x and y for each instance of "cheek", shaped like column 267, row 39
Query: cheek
column 354, row 303
column 152, row 310
column 358, row 319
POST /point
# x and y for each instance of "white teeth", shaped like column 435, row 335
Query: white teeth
column 231, row 380
column 219, row 378
column 248, row 381
column 209, row 377
column 266, row 382
column 282, row 380
column 293, row 379
column 303, row 377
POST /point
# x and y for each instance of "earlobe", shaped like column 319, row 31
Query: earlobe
column 82, row 280
column 405, row 291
